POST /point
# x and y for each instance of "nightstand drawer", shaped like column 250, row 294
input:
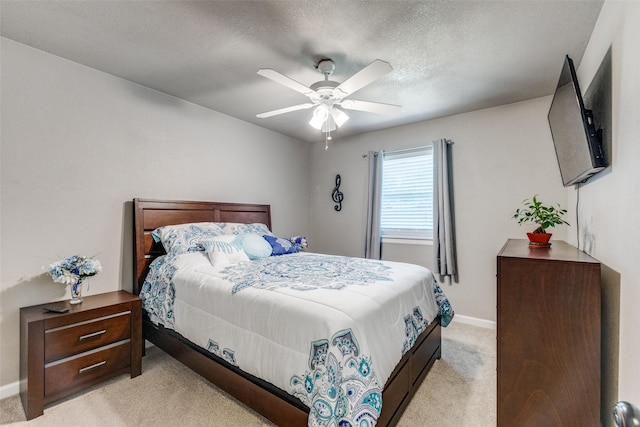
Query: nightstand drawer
column 76, row 372
column 76, row 338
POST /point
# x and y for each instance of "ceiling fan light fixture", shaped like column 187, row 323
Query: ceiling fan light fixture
column 339, row 116
column 320, row 115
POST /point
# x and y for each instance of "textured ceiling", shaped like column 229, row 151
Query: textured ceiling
column 448, row 57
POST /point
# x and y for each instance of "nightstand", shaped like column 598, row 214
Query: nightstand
column 61, row 354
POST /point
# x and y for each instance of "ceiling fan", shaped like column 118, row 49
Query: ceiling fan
column 326, row 95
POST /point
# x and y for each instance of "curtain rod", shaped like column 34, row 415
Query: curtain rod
column 403, row 150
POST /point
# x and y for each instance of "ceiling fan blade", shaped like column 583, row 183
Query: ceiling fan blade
column 285, row 110
column 370, row 107
column 368, row 74
column 285, row 81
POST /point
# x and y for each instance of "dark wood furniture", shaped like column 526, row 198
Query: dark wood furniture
column 548, row 336
column 270, row 401
column 61, row 354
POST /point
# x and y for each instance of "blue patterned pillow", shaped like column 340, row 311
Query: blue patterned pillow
column 239, row 228
column 254, row 245
column 178, row 239
column 280, row 246
column 300, row 242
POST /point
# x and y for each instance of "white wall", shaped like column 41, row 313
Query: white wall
column 609, row 204
column 500, row 157
column 77, row 145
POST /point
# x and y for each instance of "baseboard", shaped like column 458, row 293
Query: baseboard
column 474, row 321
column 9, row 390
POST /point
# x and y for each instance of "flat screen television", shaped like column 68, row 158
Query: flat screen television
column 578, row 145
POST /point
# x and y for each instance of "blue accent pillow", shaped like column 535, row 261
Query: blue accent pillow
column 280, row 246
column 254, row 245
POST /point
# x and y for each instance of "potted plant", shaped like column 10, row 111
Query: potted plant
column 545, row 216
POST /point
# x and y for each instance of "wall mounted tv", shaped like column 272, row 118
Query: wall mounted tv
column 578, row 145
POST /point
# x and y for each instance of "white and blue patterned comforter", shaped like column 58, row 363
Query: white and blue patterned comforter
column 326, row 329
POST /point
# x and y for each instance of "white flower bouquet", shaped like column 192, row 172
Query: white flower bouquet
column 73, row 270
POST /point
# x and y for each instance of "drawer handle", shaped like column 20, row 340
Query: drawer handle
column 94, row 334
column 88, row 368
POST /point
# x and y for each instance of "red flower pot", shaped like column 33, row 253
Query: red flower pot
column 539, row 238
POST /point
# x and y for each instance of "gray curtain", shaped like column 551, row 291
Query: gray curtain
column 372, row 242
column 444, row 238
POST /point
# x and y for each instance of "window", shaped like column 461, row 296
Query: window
column 407, row 194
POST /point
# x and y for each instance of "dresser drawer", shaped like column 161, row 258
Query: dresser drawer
column 79, row 337
column 86, row 369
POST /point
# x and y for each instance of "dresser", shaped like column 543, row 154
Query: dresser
column 63, row 353
column 548, row 332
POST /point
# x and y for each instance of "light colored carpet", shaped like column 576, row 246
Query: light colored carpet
column 459, row 391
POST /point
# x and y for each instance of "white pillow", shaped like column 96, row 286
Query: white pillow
column 222, row 252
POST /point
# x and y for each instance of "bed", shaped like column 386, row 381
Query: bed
column 218, row 365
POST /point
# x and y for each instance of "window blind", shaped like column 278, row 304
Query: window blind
column 407, row 194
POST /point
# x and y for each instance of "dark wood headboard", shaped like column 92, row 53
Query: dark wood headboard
column 151, row 214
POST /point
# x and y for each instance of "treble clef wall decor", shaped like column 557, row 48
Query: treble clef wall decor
column 337, row 196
